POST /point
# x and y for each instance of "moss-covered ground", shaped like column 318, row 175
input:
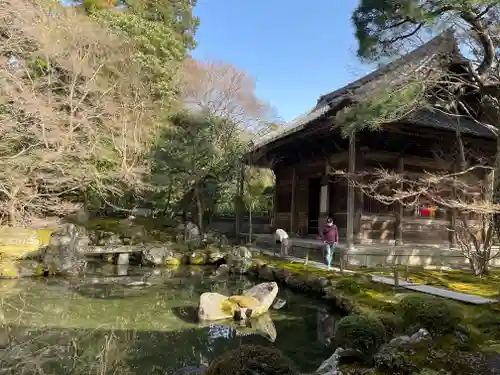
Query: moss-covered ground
column 463, row 281
column 481, row 321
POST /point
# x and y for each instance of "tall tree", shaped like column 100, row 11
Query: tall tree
column 194, row 154
column 220, row 89
column 163, row 31
column 384, row 30
column 75, row 115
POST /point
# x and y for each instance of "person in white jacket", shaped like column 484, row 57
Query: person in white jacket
column 281, row 237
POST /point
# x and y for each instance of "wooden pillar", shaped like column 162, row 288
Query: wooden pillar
column 324, row 198
column 292, row 205
column 351, row 192
column 358, row 204
column 400, row 209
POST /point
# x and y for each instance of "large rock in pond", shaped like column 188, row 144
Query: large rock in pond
column 265, row 293
column 253, row 302
column 214, row 306
column 65, row 253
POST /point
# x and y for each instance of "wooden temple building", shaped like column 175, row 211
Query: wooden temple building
column 305, row 154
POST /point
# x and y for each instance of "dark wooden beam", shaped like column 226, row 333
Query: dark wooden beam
column 400, row 208
column 351, row 192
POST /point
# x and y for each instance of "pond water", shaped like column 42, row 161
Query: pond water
column 108, row 324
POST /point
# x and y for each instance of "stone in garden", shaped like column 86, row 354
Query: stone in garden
column 174, row 259
column 214, row 306
column 239, row 260
column 214, row 255
column 18, row 243
column 192, row 231
column 222, row 270
column 253, row 302
column 421, row 334
column 265, row 293
column 241, row 252
column 267, row 273
column 155, row 256
column 279, row 303
column 64, row 254
column 198, row 258
column 239, row 266
column 400, row 340
column 113, row 240
column 330, row 366
column 224, row 241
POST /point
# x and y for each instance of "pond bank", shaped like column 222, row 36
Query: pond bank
column 471, row 334
column 384, row 277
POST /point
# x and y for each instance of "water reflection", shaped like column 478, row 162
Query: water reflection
column 326, row 323
column 141, row 323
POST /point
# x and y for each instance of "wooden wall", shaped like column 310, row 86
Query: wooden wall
column 377, row 228
column 373, row 221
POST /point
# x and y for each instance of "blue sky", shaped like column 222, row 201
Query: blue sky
column 295, row 50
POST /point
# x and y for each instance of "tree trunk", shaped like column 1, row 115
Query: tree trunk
column 199, row 206
column 12, row 219
column 496, row 188
column 250, row 226
column 238, row 201
column 478, row 265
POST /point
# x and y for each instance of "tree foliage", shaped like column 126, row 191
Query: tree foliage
column 76, row 114
column 163, row 31
column 193, row 158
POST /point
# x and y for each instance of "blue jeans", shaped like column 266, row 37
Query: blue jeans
column 329, row 250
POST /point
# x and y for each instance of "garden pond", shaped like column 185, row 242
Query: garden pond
column 136, row 320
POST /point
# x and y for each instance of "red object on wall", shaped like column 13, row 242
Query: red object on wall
column 425, row 212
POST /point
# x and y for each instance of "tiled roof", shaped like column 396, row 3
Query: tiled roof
column 439, row 120
column 423, row 58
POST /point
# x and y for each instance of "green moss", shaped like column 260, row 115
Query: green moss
column 382, row 300
column 299, row 268
column 8, row 269
column 456, row 280
column 433, row 313
column 39, row 270
column 198, row 259
column 364, row 333
column 350, row 286
column 172, row 261
column 44, row 236
column 252, row 359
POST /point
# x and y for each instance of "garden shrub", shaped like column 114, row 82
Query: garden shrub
column 345, row 304
column 252, row 359
column 391, row 322
column 489, row 324
column 435, row 314
column 364, row 333
column 396, row 361
column 349, row 286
